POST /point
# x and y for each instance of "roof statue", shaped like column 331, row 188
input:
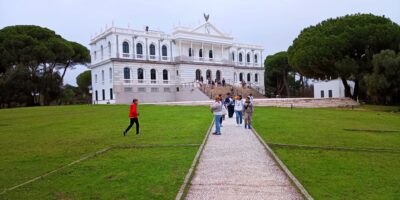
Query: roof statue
column 206, row 17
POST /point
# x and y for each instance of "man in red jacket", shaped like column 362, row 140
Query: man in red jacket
column 133, row 115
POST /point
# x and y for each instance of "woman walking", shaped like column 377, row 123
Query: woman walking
column 133, row 115
column 248, row 113
column 216, row 109
column 238, row 109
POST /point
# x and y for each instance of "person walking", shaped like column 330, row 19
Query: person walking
column 134, row 117
column 216, row 109
column 229, row 105
column 223, row 109
column 248, row 113
column 251, row 97
column 239, row 110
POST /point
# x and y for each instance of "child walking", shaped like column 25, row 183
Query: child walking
column 248, row 112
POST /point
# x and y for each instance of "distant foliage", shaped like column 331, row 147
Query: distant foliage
column 383, row 85
column 36, row 58
column 344, row 47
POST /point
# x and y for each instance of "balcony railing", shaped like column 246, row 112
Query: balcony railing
column 148, row 82
column 190, row 59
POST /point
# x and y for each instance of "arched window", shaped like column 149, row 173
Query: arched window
column 102, row 76
column 198, row 75
column 139, row 49
column 241, row 77
column 101, row 51
column 140, row 74
column 233, row 56
column 255, row 58
column 248, row 57
column 165, row 75
column 255, row 77
column 210, row 54
column 218, row 75
column 240, row 57
column 125, row 47
column 109, row 49
column 95, row 55
column 248, row 77
column 95, row 78
column 201, row 53
column 127, row 73
column 152, row 50
column 190, row 52
column 164, row 50
column 153, row 75
column 208, row 75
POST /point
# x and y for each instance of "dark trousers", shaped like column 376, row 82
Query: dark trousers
column 133, row 121
column 230, row 111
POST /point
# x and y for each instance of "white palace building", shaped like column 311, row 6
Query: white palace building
column 156, row 67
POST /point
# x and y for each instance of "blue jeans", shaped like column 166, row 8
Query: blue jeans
column 238, row 117
column 217, row 124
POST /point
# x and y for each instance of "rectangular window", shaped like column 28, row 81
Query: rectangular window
column 322, row 94
column 141, row 89
column 167, row 89
column 104, row 94
column 330, row 93
column 127, row 89
column 111, row 94
column 154, row 89
column 97, row 96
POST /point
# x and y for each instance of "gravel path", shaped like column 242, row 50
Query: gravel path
column 235, row 165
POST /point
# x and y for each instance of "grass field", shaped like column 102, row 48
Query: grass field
column 36, row 140
column 363, row 172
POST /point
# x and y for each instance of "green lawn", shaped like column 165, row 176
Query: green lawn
column 333, row 174
column 36, row 140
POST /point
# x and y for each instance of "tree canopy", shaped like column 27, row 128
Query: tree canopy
column 276, row 73
column 84, row 80
column 40, row 53
column 343, row 47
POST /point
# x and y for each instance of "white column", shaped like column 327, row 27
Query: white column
column 180, row 49
column 222, row 52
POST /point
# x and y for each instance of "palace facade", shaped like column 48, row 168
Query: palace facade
column 157, row 67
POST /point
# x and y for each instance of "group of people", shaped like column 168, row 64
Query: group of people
column 220, row 108
column 212, row 83
column 232, row 105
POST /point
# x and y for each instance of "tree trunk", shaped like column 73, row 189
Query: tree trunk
column 302, row 85
column 347, row 90
column 285, row 84
column 65, row 70
column 356, row 88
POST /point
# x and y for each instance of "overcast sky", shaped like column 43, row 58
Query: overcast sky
column 270, row 23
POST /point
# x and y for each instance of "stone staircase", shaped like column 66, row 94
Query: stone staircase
column 306, row 102
column 216, row 90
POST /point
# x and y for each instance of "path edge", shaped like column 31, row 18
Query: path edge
column 188, row 178
column 283, row 167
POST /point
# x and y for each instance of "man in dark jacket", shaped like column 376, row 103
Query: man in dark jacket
column 230, row 105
